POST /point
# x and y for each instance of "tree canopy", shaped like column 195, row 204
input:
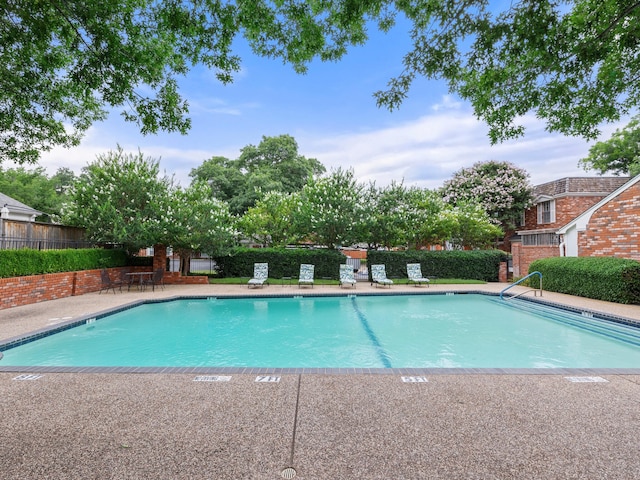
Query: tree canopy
column 121, row 199
column 574, row 63
column 199, row 223
column 620, row 154
column 63, row 65
column 274, row 165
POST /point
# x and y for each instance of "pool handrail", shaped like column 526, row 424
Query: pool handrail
column 520, row 281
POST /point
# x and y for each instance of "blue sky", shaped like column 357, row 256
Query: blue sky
column 332, row 114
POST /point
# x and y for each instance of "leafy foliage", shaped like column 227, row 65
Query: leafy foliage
column 620, row 154
column 15, row 263
column 329, row 209
column 36, row 189
column 574, row 63
column 472, row 265
column 198, row 223
column 603, row 278
column 270, row 221
column 282, row 262
column 273, row 166
column 414, row 217
column 64, row 64
column 121, row 199
column 501, row 188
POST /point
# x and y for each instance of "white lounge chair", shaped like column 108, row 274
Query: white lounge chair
column 379, row 276
column 346, row 276
column 414, row 272
column 306, row 275
column 260, row 275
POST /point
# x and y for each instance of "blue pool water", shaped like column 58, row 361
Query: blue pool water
column 419, row 331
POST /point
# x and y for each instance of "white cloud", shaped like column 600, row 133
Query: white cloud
column 423, row 152
column 427, row 151
column 447, row 103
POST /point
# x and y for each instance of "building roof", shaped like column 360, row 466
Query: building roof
column 579, row 186
column 15, row 206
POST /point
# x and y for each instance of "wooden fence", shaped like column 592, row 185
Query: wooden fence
column 15, row 234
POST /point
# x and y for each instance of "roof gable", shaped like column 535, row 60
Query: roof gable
column 581, row 220
column 15, row 206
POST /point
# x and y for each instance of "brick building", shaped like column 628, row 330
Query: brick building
column 556, row 205
column 610, row 228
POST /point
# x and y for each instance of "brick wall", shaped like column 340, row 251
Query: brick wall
column 614, row 229
column 18, row 291
column 523, row 256
column 567, row 208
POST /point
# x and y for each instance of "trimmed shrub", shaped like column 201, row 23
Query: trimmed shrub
column 464, row 264
column 17, row 263
column 602, row 278
column 283, row 262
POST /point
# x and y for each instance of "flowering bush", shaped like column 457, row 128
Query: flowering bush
column 500, row 188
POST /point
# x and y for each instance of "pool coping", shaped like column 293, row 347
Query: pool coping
column 88, row 318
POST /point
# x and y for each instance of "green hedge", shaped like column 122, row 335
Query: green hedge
column 283, row 262
column 17, row 263
column 603, row 278
column 465, row 264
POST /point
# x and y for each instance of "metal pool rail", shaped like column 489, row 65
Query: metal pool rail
column 520, row 281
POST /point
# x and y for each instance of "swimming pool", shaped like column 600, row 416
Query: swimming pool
column 378, row 332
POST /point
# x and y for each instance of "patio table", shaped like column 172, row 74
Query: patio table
column 141, row 277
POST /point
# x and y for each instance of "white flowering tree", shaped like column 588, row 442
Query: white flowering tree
column 270, row 221
column 500, row 188
column 385, row 222
column 427, row 221
column 330, row 209
column 199, row 223
column 121, row 198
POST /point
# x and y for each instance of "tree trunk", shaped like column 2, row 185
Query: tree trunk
column 185, row 263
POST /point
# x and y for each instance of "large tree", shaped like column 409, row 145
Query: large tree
column 500, row 188
column 199, row 223
column 620, row 154
column 274, row 165
column 329, row 210
column 121, row 198
column 574, row 63
column 63, row 65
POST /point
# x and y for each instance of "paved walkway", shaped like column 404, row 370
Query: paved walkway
column 159, row 426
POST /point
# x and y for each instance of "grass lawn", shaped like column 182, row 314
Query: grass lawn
column 294, row 281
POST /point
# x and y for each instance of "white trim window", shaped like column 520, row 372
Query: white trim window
column 547, row 212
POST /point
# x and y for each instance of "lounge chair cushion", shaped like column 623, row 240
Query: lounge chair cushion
column 306, row 274
column 346, row 275
column 260, row 274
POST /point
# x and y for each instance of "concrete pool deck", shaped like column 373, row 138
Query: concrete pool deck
column 168, row 426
